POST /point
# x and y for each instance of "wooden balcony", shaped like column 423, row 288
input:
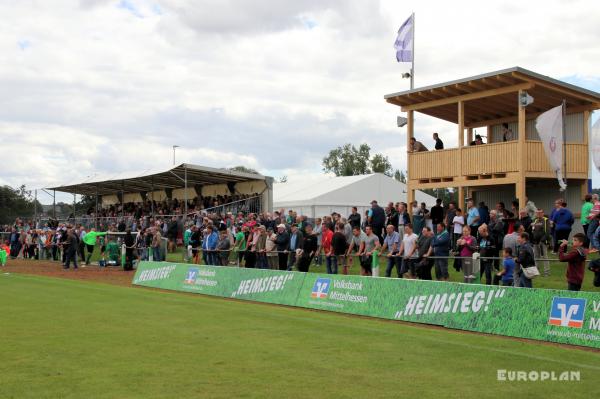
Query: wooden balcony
column 491, row 161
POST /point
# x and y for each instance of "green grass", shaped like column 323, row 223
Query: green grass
column 76, row 339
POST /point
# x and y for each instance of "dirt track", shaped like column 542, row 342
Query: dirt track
column 110, row 275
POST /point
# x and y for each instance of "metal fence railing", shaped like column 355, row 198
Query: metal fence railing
column 52, row 250
column 248, row 205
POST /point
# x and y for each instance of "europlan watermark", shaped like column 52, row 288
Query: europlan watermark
column 538, row 375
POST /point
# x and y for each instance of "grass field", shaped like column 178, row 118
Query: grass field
column 79, row 339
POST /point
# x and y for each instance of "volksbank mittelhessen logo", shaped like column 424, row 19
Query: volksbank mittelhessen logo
column 190, row 277
column 567, row 312
column 321, row 288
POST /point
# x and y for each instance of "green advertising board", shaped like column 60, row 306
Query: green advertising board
column 270, row 286
column 548, row 315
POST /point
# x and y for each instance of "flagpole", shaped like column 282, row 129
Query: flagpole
column 564, row 134
column 412, row 68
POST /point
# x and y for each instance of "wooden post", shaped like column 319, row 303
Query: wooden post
column 586, row 127
column 461, row 144
column 461, row 125
column 520, row 189
column 410, row 130
column 461, row 136
column 489, row 135
column 470, row 135
column 586, row 141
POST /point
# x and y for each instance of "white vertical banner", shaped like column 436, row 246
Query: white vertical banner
column 596, row 144
column 550, row 128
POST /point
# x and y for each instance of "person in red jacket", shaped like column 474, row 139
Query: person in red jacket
column 576, row 261
column 330, row 259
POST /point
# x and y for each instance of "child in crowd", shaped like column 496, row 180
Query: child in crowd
column 508, row 268
column 576, row 261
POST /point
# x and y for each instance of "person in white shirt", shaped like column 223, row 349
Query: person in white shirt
column 408, row 251
column 42, row 253
column 457, row 224
column 272, row 259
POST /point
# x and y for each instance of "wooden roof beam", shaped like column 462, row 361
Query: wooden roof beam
column 399, row 101
column 426, row 96
column 500, row 105
column 467, row 97
column 453, row 91
column 510, row 104
column 448, row 115
column 480, row 85
column 492, row 82
column 554, row 99
column 559, row 89
column 483, row 111
column 531, row 115
column 506, row 79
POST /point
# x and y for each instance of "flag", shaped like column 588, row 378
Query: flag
column 550, row 128
column 404, row 41
column 596, row 144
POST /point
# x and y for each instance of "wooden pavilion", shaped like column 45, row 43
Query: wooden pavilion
column 499, row 170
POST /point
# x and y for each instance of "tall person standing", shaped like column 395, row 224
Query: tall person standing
column 377, row 220
column 563, row 222
column 282, row 243
column 437, row 213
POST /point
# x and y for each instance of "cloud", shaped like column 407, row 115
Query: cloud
column 245, row 17
column 90, row 87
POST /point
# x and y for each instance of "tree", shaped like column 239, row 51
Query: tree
column 16, row 202
column 445, row 194
column 244, row 169
column 86, row 204
column 283, row 179
column 381, row 164
column 400, row 176
column 347, row 160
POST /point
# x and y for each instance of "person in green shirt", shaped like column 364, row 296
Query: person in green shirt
column 240, row 243
column 3, row 257
column 89, row 240
column 102, row 242
column 585, row 212
column 114, row 252
column 186, row 243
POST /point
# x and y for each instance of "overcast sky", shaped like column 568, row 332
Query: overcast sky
column 97, row 86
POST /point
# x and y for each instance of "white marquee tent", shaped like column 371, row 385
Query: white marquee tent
column 340, row 194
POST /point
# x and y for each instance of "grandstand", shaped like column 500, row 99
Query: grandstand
column 184, row 183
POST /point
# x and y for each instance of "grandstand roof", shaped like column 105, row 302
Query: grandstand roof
column 156, row 179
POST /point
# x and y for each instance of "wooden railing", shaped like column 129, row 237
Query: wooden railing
column 490, row 159
column 576, row 153
column 433, row 164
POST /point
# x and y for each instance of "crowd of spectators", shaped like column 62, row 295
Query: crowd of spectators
column 170, row 207
column 509, row 241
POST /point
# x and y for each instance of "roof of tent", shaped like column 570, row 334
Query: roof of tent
column 157, row 179
column 344, row 191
